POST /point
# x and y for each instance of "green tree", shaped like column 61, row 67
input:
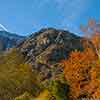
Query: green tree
column 58, row 89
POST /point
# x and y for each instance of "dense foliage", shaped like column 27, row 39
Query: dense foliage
column 81, row 71
column 58, row 89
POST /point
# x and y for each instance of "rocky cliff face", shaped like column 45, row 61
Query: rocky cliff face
column 50, row 45
column 47, row 47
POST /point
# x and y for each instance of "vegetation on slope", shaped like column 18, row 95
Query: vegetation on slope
column 16, row 77
column 75, row 77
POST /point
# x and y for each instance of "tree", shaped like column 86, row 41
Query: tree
column 92, row 33
column 58, row 90
column 81, row 70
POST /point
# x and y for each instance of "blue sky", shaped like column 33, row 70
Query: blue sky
column 26, row 16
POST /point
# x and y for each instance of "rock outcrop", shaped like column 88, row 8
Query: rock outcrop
column 49, row 45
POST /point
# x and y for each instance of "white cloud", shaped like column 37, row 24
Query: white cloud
column 4, row 28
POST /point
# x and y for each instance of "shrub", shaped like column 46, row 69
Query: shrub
column 58, row 89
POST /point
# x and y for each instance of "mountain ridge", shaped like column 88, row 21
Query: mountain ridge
column 46, row 48
column 9, row 40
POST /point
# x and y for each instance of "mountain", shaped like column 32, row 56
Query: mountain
column 51, row 44
column 33, row 70
column 47, row 47
column 8, row 40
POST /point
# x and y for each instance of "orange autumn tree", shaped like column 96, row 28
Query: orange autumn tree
column 92, row 33
column 81, row 73
column 82, row 69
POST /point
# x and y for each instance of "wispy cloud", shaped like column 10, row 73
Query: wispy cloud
column 71, row 10
column 40, row 3
column 3, row 27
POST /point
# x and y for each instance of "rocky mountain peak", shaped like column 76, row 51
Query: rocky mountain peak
column 48, row 42
column 45, row 48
